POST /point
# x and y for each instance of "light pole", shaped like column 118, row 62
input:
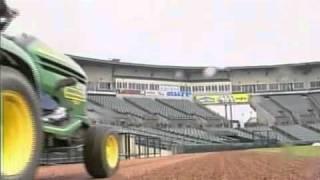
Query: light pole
column 225, row 103
column 230, row 100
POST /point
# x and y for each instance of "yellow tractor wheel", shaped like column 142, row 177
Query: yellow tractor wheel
column 20, row 126
column 101, row 152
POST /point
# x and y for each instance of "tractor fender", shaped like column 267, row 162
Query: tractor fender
column 20, row 54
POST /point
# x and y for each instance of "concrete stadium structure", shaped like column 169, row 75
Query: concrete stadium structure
column 250, row 79
column 207, row 106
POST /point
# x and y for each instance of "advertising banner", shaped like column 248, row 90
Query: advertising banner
column 133, row 92
column 179, row 93
column 166, row 88
column 151, row 93
column 240, row 98
column 222, row 99
column 167, row 93
column 207, row 99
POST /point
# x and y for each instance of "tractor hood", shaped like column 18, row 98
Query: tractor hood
column 45, row 53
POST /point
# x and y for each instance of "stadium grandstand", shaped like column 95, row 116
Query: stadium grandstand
column 207, row 105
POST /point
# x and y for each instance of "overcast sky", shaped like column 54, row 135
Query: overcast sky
column 177, row 32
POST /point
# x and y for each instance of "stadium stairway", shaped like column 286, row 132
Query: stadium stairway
column 97, row 113
column 129, row 100
column 269, row 112
column 120, row 106
column 315, row 98
column 268, row 132
column 187, row 107
column 298, row 132
column 170, row 137
column 300, row 107
column 295, row 120
column 316, row 104
column 155, row 107
column 196, row 133
column 314, row 127
column 166, row 103
column 204, row 116
column 200, row 120
column 240, row 135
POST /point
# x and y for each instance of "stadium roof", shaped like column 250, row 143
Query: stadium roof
column 118, row 62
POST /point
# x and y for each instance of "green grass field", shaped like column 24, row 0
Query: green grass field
column 302, row 151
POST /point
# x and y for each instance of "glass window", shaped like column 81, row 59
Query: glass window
column 157, row 87
column 250, row 88
column 236, row 88
column 207, row 88
column 298, row 85
column 227, row 87
column 274, row 86
column 245, row 88
column 314, row 84
column 138, row 86
column 261, row 87
column 91, row 85
column 104, row 85
column 285, row 87
column 214, row 88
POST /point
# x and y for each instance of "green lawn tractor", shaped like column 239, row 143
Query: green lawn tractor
column 43, row 105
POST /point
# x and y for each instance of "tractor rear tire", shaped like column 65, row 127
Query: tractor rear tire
column 101, row 152
column 21, row 134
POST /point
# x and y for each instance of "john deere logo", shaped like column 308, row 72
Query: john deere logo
column 74, row 94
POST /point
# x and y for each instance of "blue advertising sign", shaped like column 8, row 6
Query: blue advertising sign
column 179, row 93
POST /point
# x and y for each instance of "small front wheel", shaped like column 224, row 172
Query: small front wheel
column 101, row 152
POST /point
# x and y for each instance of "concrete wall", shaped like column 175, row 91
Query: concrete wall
column 106, row 72
column 129, row 71
column 98, row 73
column 277, row 75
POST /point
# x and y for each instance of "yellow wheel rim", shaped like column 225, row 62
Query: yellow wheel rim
column 112, row 151
column 17, row 134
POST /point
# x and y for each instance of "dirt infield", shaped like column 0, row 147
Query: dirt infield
column 235, row 165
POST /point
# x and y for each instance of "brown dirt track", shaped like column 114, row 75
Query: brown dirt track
column 233, row 165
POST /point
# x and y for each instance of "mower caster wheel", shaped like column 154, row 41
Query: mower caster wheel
column 101, row 152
